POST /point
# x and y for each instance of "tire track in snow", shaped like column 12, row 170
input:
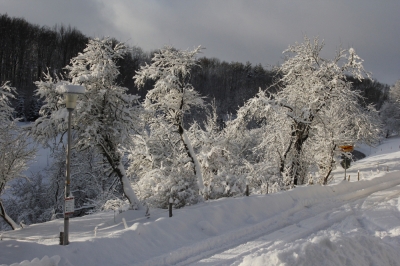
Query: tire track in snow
column 289, row 219
column 278, row 238
column 302, row 229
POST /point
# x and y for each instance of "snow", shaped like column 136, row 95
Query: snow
column 344, row 223
column 69, row 88
column 45, row 261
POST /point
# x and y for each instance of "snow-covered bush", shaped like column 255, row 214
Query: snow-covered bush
column 115, row 204
column 163, row 169
column 229, row 158
column 40, row 197
column 175, row 180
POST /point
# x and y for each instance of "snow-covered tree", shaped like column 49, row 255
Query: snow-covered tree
column 261, row 113
column 390, row 111
column 166, row 104
column 20, row 107
column 32, row 112
column 340, row 125
column 218, row 163
column 104, row 117
column 15, row 151
column 310, row 88
column 394, row 93
column 390, row 115
column 231, row 157
column 163, row 169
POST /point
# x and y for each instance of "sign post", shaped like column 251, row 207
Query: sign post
column 345, row 163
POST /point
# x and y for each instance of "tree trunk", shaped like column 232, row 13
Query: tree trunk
column 283, row 159
column 301, row 134
column 325, row 182
column 190, row 151
column 296, row 163
column 193, row 157
column 126, row 185
column 7, row 218
column 327, row 176
column 116, row 164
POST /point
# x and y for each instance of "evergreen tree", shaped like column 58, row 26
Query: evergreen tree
column 20, row 107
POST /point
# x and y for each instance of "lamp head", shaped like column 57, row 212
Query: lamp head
column 71, row 93
column 70, row 100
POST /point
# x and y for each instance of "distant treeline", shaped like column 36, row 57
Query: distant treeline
column 28, row 50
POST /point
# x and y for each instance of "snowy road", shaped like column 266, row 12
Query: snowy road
column 305, row 224
column 350, row 223
column 308, row 218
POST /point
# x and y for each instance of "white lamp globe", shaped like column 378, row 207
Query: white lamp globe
column 71, row 93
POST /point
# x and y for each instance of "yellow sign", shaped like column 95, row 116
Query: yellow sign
column 347, row 148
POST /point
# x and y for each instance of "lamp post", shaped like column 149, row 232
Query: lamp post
column 71, row 93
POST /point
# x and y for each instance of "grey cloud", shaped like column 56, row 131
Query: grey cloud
column 235, row 30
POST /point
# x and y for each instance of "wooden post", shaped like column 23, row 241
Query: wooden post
column 358, row 175
column 387, row 168
column 62, row 238
column 247, row 190
column 171, row 201
column 170, row 209
column 147, row 212
column 348, row 179
column 267, row 186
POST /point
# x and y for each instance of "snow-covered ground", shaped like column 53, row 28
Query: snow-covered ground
column 345, row 223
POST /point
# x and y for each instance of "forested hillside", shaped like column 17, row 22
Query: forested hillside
column 28, row 51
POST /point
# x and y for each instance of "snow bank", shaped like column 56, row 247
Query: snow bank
column 45, row 261
column 332, row 249
column 192, row 231
column 343, row 244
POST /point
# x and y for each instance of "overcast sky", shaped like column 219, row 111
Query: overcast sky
column 234, row 30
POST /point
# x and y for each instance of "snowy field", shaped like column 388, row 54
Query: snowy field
column 345, row 223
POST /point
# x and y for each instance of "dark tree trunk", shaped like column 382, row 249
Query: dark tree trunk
column 6, row 218
column 301, row 135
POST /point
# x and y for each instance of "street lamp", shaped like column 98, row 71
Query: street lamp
column 71, row 93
